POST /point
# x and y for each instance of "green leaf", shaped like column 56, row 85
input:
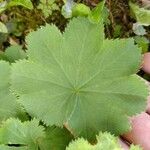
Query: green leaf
column 24, row 3
column 142, row 15
column 14, row 53
column 2, row 56
column 56, row 138
column 2, row 6
column 105, row 141
column 98, row 13
column 117, row 31
column 80, row 80
column 72, row 9
column 27, row 134
column 80, row 9
column 142, row 42
column 80, row 144
column 8, row 104
column 135, row 147
column 3, row 28
column 47, row 6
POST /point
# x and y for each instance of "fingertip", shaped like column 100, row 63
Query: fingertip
column 146, row 63
column 148, row 106
column 140, row 133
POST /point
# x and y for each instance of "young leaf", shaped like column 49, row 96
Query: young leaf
column 26, row 135
column 56, row 138
column 47, row 6
column 72, row 9
column 3, row 28
column 142, row 15
column 14, row 53
column 133, row 147
column 8, row 104
column 142, row 42
column 97, row 14
column 80, row 144
column 80, row 80
column 105, row 141
column 24, row 3
column 80, row 9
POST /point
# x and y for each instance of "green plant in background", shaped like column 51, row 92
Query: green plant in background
column 3, row 28
column 7, row 4
column 80, row 10
column 72, row 9
column 142, row 16
column 95, row 76
column 142, row 42
column 99, row 13
column 48, row 6
column 13, row 53
column 24, row 3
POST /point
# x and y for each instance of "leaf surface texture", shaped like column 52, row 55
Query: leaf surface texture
column 79, row 79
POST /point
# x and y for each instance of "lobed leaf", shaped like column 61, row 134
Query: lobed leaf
column 9, row 107
column 80, row 80
column 26, row 135
column 105, row 141
column 56, row 138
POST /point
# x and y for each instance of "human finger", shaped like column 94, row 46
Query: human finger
column 140, row 133
column 146, row 63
